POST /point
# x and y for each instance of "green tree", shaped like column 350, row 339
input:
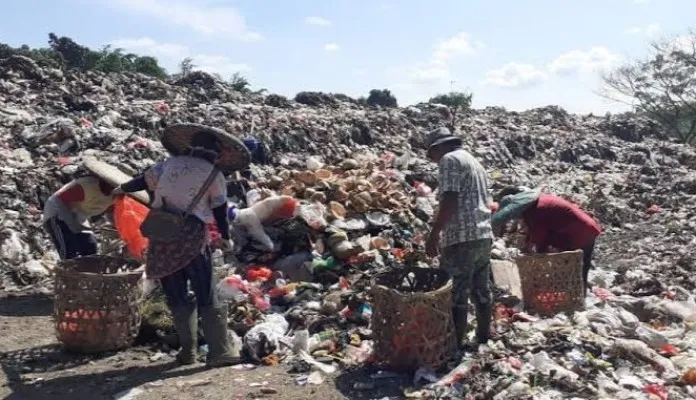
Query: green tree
column 73, row 55
column 382, row 98
column 240, row 83
column 110, row 60
column 456, row 101
column 186, row 66
column 661, row 87
column 149, row 66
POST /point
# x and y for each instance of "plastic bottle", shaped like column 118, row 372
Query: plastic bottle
column 300, row 341
column 317, row 339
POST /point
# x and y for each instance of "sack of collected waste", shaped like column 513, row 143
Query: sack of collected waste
column 263, row 212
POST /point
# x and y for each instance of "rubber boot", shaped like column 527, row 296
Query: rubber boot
column 460, row 324
column 220, row 352
column 484, row 313
column 186, row 324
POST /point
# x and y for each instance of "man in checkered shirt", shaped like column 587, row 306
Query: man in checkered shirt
column 461, row 231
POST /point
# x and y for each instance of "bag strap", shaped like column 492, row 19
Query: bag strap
column 202, row 190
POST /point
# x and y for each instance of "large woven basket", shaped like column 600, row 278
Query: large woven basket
column 97, row 303
column 552, row 283
column 412, row 322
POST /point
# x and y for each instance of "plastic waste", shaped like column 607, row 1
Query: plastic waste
column 148, row 285
column 460, row 373
column 262, row 212
column 658, row 390
column 325, row 368
column 300, row 341
column 641, row 350
column 544, row 364
column 263, row 339
column 128, row 216
column 313, row 215
column 314, row 163
column 258, row 273
column 252, row 197
column 234, row 288
column 422, row 189
column 252, row 224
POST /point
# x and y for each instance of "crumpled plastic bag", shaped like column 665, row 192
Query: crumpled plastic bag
column 641, row 350
column 264, row 338
column 128, row 216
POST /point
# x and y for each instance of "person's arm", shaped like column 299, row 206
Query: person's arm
column 135, row 185
column 448, row 206
column 220, row 214
column 218, row 203
column 538, row 236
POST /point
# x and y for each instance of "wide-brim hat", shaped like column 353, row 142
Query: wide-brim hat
column 233, row 155
column 113, row 176
column 440, row 136
column 513, row 206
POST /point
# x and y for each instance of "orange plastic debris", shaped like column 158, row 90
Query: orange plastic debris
column 128, row 216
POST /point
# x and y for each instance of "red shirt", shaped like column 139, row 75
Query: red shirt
column 559, row 223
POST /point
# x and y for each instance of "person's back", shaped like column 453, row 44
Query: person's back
column 85, row 196
column 460, row 172
column 559, row 223
column 177, row 180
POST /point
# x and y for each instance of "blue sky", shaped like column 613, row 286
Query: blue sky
column 511, row 53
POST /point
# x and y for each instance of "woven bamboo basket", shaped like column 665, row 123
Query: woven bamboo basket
column 97, row 303
column 412, row 318
column 552, row 283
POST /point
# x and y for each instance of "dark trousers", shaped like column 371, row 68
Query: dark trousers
column 199, row 273
column 68, row 243
column 587, row 253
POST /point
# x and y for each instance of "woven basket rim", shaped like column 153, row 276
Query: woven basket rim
column 66, row 266
column 446, row 286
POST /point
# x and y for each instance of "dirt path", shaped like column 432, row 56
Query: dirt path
column 33, row 366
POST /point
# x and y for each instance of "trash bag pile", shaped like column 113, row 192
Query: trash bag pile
column 343, row 192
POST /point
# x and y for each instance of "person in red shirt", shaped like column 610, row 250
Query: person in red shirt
column 67, row 212
column 552, row 222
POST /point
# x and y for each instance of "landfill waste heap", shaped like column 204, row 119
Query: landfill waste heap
column 366, row 194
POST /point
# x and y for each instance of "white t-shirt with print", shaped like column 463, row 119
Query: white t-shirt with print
column 177, row 180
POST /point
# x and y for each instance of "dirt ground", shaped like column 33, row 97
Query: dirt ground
column 34, row 366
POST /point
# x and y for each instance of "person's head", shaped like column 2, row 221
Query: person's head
column 105, row 187
column 440, row 142
column 206, row 146
column 507, row 191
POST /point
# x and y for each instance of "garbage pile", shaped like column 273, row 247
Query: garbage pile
column 361, row 195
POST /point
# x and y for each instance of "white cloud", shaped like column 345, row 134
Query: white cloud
column 648, row 30
column 202, row 17
column 170, row 55
column 515, row 76
column 359, row 71
column 437, row 68
column 429, row 74
column 150, row 47
column 459, row 44
column 331, row 47
column 595, row 59
column 317, row 21
column 222, row 65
